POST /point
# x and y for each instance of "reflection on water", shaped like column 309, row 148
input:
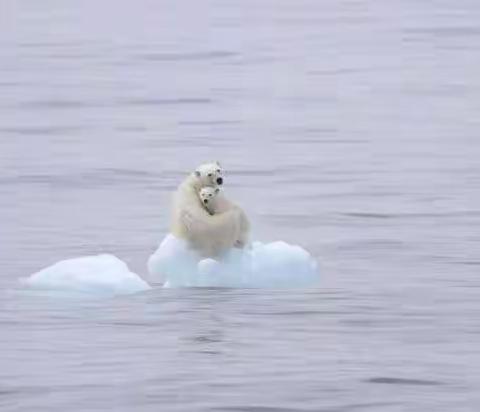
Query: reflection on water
column 348, row 127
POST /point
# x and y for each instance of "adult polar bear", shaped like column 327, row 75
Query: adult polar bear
column 209, row 235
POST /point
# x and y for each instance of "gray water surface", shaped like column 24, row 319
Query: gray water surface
column 348, row 127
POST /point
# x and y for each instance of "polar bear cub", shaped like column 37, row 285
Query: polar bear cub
column 208, row 196
column 214, row 202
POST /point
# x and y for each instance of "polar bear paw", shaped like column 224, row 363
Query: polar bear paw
column 239, row 244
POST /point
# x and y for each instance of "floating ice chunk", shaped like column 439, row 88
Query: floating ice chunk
column 262, row 265
column 98, row 275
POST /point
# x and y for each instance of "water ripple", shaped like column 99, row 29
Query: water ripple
column 404, row 381
column 174, row 57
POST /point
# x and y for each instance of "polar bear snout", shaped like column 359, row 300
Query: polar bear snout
column 219, row 180
column 205, row 201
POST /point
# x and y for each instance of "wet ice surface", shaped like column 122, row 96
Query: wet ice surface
column 258, row 265
column 349, row 128
column 96, row 275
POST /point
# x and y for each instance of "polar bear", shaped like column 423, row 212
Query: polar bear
column 214, row 202
column 207, row 196
column 208, row 235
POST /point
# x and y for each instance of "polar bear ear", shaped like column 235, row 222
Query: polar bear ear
column 197, row 173
column 218, row 163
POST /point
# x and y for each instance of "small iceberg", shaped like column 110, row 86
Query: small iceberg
column 261, row 265
column 94, row 275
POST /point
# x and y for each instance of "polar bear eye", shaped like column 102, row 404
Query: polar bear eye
column 209, row 175
column 218, row 170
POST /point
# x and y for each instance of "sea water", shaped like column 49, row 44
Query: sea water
column 349, row 128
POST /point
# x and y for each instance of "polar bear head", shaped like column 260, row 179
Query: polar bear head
column 207, row 196
column 209, row 174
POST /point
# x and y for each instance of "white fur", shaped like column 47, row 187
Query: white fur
column 207, row 196
column 208, row 235
column 215, row 202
